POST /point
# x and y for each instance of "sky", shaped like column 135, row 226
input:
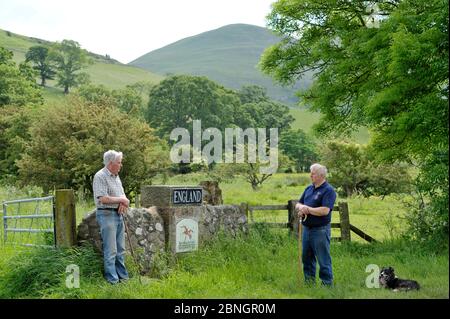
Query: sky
column 126, row 29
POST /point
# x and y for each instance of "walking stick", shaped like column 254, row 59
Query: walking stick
column 131, row 248
column 300, row 244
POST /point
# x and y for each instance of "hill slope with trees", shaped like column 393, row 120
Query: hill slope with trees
column 228, row 55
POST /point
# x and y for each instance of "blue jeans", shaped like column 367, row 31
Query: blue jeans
column 113, row 237
column 316, row 245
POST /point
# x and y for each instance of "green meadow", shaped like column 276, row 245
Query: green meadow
column 108, row 72
column 262, row 264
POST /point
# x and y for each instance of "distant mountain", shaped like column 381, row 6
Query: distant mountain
column 228, row 55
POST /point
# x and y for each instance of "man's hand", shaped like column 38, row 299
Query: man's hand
column 123, row 205
column 122, row 209
column 302, row 210
column 124, row 201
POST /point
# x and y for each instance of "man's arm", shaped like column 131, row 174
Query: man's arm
column 316, row 211
column 327, row 201
column 114, row 200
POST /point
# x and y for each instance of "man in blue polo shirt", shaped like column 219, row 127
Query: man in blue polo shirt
column 315, row 207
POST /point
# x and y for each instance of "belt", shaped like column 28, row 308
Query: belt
column 106, row 208
column 315, row 226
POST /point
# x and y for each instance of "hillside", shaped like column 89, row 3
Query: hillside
column 115, row 75
column 228, row 55
column 106, row 71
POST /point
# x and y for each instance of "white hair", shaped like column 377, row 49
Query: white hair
column 319, row 169
column 111, row 156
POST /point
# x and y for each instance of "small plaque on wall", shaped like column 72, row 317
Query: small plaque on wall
column 186, row 235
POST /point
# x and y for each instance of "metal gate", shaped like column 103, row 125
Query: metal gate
column 29, row 222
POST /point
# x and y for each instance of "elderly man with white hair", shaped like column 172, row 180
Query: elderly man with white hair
column 111, row 204
column 315, row 207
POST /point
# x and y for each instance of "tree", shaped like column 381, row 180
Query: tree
column 17, row 85
column 127, row 100
column 68, row 141
column 300, row 148
column 180, row 99
column 40, row 57
column 251, row 172
column 14, row 125
column 18, row 95
column 253, row 94
column 382, row 64
column 257, row 110
column 353, row 169
column 265, row 114
column 69, row 59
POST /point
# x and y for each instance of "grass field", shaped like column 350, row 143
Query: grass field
column 305, row 120
column 262, row 265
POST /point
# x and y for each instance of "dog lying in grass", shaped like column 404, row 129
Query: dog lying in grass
column 389, row 280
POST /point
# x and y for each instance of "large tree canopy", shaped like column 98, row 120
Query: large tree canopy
column 383, row 64
column 391, row 75
column 180, row 99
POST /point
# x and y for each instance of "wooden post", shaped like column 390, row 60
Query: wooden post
column 345, row 221
column 65, row 218
column 292, row 217
column 244, row 209
column 137, row 200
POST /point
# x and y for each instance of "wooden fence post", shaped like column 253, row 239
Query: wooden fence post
column 292, row 218
column 65, row 218
column 137, row 200
column 244, row 209
column 345, row 221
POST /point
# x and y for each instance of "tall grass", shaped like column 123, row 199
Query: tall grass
column 39, row 272
column 262, row 264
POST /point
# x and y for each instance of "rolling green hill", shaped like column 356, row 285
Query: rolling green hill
column 104, row 71
column 115, row 75
column 228, row 55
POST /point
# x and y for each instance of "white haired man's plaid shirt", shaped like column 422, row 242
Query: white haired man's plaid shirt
column 106, row 184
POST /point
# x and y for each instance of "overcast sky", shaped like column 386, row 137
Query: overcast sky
column 126, row 29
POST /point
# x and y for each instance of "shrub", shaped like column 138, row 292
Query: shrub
column 353, row 170
column 68, row 142
column 428, row 218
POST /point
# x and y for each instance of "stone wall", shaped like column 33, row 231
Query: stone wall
column 145, row 228
column 153, row 229
column 211, row 219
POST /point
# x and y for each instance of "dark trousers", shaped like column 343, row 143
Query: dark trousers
column 316, row 247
